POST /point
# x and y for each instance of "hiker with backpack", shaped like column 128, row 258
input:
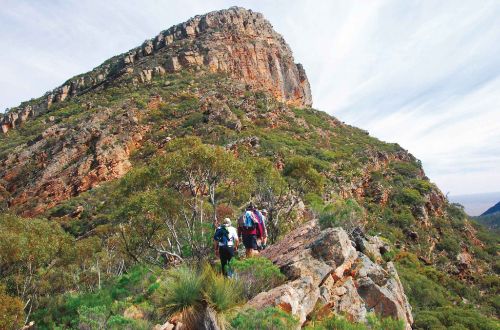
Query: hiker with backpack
column 263, row 229
column 226, row 243
column 247, row 229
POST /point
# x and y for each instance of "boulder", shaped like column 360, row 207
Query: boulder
column 296, row 297
column 324, row 267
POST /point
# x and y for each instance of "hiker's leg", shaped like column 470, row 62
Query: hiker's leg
column 230, row 255
column 255, row 247
column 223, row 258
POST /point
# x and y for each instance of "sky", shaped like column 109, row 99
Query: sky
column 424, row 74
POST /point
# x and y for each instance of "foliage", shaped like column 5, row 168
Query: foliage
column 11, row 311
column 451, row 317
column 163, row 211
column 270, row 318
column 336, row 322
column 256, row 275
column 342, row 213
column 189, row 292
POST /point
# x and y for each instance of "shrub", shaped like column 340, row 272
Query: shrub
column 184, row 290
column 94, row 318
column 270, row 318
column 374, row 322
column 408, row 196
column 256, row 275
column 449, row 244
column 452, row 317
column 11, row 311
column 191, row 292
column 342, row 213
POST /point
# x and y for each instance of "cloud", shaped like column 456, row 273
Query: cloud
column 423, row 74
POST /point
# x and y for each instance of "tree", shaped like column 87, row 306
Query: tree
column 176, row 212
column 30, row 251
column 271, row 192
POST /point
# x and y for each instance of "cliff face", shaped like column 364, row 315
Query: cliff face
column 238, row 42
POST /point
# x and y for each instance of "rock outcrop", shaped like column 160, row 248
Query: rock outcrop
column 324, row 267
column 236, row 41
column 64, row 162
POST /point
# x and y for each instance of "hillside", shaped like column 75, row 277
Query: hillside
column 122, row 172
column 495, row 208
column 491, row 217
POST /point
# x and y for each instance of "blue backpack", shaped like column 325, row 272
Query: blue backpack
column 222, row 235
column 248, row 223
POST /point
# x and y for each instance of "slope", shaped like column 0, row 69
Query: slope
column 138, row 159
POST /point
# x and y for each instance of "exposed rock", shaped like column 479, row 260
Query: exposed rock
column 337, row 276
column 64, row 162
column 375, row 247
column 235, row 41
column 296, row 297
column 166, row 326
column 219, row 113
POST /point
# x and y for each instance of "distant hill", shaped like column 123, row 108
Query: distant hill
column 476, row 204
column 494, row 209
column 491, row 217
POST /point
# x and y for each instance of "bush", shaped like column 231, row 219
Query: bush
column 191, row 293
column 342, row 213
column 408, row 196
column 452, row 317
column 184, row 290
column 337, row 322
column 449, row 244
column 11, row 311
column 256, row 275
column 270, row 318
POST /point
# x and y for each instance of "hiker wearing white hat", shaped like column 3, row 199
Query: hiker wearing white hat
column 226, row 243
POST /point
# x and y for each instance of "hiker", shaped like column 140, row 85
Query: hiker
column 226, row 243
column 261, row 229
column 247, row 229
column 263, row 236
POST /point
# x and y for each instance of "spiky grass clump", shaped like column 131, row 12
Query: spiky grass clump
column 183, row 294
column 195, row 294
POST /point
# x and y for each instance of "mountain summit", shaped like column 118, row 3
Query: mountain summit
column 112, row 184
column 236, row 41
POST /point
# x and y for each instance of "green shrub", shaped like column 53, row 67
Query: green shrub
column 452, row 317
column 270, row 318
column 184, row 290
column 342, row 213
column 221, row 293
column 93, row 318
column 191, row 292
column 11, row 311
column 449, row 244
column 257, row 274
column 337, row 322
column 408, row 196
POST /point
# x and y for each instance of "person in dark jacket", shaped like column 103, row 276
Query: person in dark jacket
column 226, row 243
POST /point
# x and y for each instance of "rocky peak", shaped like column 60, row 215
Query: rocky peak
column 236, row 41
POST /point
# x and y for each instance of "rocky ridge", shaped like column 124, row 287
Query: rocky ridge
column 236, row 41
column 324, row 268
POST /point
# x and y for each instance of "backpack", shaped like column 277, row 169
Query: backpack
column 222, row 235
column 247, row 220
column 258, row 215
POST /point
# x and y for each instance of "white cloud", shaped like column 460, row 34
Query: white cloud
column 423, row 74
